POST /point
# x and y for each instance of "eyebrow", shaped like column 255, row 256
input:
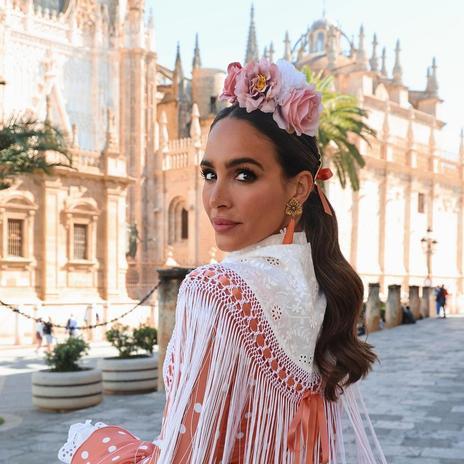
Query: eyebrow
column 233, row 162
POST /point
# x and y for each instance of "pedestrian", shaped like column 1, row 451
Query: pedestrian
column 71, row 326
column 263, row 364
column 48, row 333
column 408, row 316
column 443, row 299
column 38, row 334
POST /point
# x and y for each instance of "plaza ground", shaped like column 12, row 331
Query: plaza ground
column 415, row 397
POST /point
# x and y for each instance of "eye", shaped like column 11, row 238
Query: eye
column 205, row 174
column 249, row 175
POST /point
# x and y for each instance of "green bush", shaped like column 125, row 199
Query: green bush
column 127, row 343
column 145, row 338
column 121, row 339
column 65, row 355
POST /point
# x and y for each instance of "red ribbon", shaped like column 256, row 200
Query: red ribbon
column 311, row 422
column 324, row 174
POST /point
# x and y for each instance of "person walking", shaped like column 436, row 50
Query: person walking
column 71, row 326
column 48, row 334
column 38, row 334
column 443, row 299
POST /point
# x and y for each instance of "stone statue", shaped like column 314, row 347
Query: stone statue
column 133, row 238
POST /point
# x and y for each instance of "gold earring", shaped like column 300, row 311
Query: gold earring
column 293, row 209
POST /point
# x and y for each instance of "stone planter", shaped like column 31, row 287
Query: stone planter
column 63, row 391
column 129, row 375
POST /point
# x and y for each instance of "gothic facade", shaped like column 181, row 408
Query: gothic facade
column 89, row 240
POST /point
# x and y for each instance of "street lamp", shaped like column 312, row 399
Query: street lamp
column 428, row 245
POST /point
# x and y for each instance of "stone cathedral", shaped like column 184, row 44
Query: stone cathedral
column 88, row 241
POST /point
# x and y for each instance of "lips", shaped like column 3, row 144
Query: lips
column 223, row 225
column 224, row 222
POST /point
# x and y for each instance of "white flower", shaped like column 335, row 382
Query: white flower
column 291, row 77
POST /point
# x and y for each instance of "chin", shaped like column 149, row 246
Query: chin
column 227, row 245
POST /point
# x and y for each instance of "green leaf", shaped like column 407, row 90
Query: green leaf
column 342, row 121
column 23, row 143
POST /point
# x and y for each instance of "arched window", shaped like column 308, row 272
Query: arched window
column 184, row 221
column 320, row 42
column 177, row 221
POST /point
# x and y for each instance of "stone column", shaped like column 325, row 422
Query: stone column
column 425, row 301
column 414, row 301
column 169, row 283
column 393, row 312
column 373, row 308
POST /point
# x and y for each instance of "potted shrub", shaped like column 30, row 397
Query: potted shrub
column 66, row 385
column 135, row 369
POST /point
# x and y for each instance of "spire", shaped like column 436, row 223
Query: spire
column 383, row 71
column 432, row 83
column 287, row 48
column 252, row 45
column 374, row 62
column 178, row 65
column 361, row 58
column 397, row 71
column 265, row 53
column 195, row 129
column 271, row 52
column 150, row 31
column 196, row 63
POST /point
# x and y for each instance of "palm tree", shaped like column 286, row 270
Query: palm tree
column 341, row 119
column 23, row 144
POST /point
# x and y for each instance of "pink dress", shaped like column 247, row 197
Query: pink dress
column 241, row 385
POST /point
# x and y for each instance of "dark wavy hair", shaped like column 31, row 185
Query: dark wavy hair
column 341, row 357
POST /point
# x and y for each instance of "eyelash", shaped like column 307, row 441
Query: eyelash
column 249, row 172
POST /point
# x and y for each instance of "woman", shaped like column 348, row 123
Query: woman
column 264, row 356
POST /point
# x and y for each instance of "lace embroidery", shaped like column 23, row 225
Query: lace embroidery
column 283, row 280
column 260, row 341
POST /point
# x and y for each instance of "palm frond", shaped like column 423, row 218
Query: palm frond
column 341, row 121
column 23, row 147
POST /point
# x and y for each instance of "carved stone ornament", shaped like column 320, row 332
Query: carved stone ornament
column 84, row 12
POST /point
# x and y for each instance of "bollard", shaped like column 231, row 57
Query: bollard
column 425, row 301
column 393, row 312
column 373, row 308
column 169, row 283
column 414, row 301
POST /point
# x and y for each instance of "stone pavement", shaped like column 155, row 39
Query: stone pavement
column 415, row 397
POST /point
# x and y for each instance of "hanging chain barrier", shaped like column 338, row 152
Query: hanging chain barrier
column 91, row 326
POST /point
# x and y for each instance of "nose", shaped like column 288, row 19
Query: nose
column 219, row 195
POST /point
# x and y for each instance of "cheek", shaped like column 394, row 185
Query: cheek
column 205, row 197
column 264, row 203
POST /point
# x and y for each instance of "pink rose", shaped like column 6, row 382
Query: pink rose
column 258, row 86
column 228, row 93
column 299, row 111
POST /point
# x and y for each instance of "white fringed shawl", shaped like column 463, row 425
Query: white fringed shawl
column 241, row 358
column 258, row 313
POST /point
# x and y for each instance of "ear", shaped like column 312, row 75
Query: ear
column 304, row 184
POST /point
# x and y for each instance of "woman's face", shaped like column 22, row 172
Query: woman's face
column 244, row 185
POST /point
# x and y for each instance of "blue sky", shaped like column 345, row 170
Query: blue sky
column 425, row 28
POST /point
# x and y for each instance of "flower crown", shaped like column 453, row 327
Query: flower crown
column 277, row 88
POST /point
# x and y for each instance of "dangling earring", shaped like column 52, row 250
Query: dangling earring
column 293, row 209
